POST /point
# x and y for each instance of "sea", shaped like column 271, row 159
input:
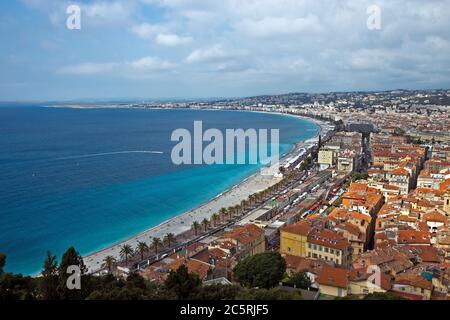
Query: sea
column 89, row 178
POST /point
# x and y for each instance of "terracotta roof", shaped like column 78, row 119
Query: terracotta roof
column 434, row 216
column 413, row 237
column 413, row 280
column 301, row 228
column 333, row 277
column 198, row 267
column 328, row 238
column 299, row 264
column 244, row 234
column 400, row 172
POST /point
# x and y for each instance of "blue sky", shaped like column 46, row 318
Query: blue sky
column 211, row 48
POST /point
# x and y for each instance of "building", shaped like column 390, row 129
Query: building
column 326, row 158
column 293, row 239
column 243, row 241
column 330, row 246
column 333, row 281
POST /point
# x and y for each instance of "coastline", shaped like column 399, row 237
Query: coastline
column 182, row 222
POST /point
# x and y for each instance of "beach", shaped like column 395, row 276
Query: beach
column 182, row 223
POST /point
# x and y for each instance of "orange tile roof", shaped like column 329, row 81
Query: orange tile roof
column 413, row 237
column 328, row 238
column 400, row 172
column 333, row 277
column 301, row 228
column 244, row 234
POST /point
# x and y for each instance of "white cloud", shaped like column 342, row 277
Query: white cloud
column 151, row 64
column 171, row 40
column 147, row 31
column 207, row 54
column 278, row 26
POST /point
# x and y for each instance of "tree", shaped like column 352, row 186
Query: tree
column 217, row 292
column 155, row 244
column 169, row 239
column 2, row 262
column 142, row 248
column 214, row 218
column 205, row 224
column 195, row 226
column 263, row 270
column 299, row 280
column 109, row 263
column 49, row 281
column 69, row 259
column 182, row 283
column 223, row 213
column 125, row 252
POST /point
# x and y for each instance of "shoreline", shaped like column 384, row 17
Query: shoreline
column 181, row 223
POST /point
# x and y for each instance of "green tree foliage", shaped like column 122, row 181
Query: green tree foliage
column 182, row 283
column 264, row 270
column 49, row 281
column 71, row 258
column 299, row 280
column 217, row 292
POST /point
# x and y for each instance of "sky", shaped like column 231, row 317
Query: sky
column 166, row 49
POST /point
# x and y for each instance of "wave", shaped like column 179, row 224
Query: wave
column 91, row 155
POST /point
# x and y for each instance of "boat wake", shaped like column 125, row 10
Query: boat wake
column 107, row 154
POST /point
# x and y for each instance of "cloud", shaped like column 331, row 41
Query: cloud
column 171, row 40
column 147, row 31
column 279, row 26
column 128, row 68
column 159, row 34
column 210, row 54
column 151, row 64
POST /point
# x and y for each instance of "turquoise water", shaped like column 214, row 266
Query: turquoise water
column 67, row 176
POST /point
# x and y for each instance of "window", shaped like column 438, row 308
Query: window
column 315, row 255
column 338, row 253
column 309, row 245
column 320, row 248
column 289, row 249
column 326, row 249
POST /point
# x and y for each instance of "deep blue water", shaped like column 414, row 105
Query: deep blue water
column 58, row 187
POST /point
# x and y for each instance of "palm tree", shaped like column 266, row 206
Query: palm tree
column 126, row 251
column 230, row 212
column 205, row 223
column 109, row 263
column 244, row 204
column 155, row 244
column 142, row 247
column 169, row 239
column 195, row 226
column 214, row 218
column 223, row 213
